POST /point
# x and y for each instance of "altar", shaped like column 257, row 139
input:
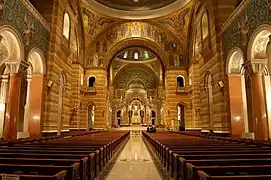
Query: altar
column 136, row 120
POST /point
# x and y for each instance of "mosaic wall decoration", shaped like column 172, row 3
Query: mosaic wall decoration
column 238, row 34
column 178, row 23
column 94, row 23
column 33, row 33
column 117, row 33
column 143, row 75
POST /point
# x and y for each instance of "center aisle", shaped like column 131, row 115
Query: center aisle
column 134, row 162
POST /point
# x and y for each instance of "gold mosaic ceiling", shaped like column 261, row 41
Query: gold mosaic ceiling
column 136, row 5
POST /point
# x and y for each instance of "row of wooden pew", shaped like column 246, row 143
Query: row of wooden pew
column 73, row 157
column 197, row 158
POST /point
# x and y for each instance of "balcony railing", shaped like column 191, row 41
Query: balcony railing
column 88, row 90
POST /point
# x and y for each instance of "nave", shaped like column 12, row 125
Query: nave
column 110, row 155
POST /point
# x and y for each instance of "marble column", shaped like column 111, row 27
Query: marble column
column 16, row 69
column 3, row 102
column 36, row 100
column 26, row 107
column 236, row 109
column 259, row 113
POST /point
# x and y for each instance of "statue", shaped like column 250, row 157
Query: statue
column 95, row 61
column 28, row 30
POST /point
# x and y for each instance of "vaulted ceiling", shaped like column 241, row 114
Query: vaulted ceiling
column 136, row 5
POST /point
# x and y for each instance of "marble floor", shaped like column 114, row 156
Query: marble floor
column 134, row 162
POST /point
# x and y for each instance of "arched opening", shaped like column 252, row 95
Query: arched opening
column 119, row 117
column 180, row 82
column 11, row 50
column 91, row 116
column 34, row 92
column 259, row 48
column 91, row 81
column 62, row 85
column 66, row 26
column 153, row 117
column 205, row 26
column 237, row 93
column 181, row 117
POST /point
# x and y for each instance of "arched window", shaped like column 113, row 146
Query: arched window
column 204, row 26
column 125, row 56
column 136, row 55
column 91, row 81
column 180, row 81
column 66, row 26
column 146, row 54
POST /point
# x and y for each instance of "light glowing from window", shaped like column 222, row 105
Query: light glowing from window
column 205, row 26
column 125, row 56
column 146, row 54
column 136, row 56
column 66, row 26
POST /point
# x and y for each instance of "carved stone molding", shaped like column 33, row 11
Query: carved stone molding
column 255, row 66
column 16, row 67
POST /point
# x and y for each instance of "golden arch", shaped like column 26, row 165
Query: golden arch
column 135, row 42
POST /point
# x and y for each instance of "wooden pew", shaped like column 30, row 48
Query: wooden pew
column 62, row 175
column 44, row 170
column 227, row 170
column 205, row 176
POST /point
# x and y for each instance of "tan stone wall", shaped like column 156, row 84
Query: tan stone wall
column 58, row 61
column 172, row 99
column 209, row 62
column 99, row 99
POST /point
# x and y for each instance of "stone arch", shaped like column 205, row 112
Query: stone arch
column 11, row 49
column 235, row 60
column 36, row 60
column 238, row 106
column 259, row 53
column 34, row 92
column 11, row 39
column 258, row 42
column 141, row 42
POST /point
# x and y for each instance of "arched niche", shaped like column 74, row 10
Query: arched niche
column 90, row 115
column 181, row 116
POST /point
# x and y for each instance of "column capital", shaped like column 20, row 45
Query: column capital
column 15, row 67
column 256, row 66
